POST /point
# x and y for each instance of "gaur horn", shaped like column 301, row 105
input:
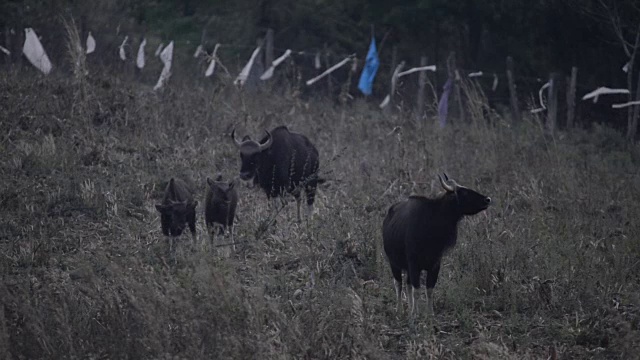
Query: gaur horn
column 233, row 136
column 449, row 187
column 267, row 145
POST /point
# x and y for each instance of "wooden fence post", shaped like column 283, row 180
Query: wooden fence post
column 571, row 97
column 394, row 60
column 453, row 73
column 552, row 107
column 458, row 84
column 268, row 53
column 394, row 68
column 7, row 44
column 327, row 64
column 515, row 109
column 633, row 126
column 422, row 80
column 346, row 87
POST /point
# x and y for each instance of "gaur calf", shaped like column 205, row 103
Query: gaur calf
column 220, row 207
column 178, row 208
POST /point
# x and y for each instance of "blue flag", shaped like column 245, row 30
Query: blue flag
column 370, row 69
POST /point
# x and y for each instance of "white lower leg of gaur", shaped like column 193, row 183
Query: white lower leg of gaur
column 298, row 203
column 414, row 304
column 233, row 241
column 398, row 285
column 430, row 302
column 274, row 207
column 309, row 211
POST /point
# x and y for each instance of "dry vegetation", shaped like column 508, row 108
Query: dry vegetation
column 553, row 267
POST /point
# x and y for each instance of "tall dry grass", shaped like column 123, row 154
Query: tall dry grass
column 552, row 267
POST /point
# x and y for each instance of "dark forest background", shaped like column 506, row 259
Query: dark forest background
column 597, row 36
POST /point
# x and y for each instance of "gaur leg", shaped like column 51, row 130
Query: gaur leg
column 191, row 220
column 310, row 191
column 164, row 222
column 432, row 279
column 233, row 241
column 210, row 230
column 397, row 282
column 296, row 195
column 274, row 204
column 414, row 280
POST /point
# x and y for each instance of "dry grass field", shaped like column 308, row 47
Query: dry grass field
column 552, row 270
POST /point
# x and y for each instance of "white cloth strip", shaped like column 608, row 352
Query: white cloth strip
column 91, row 43
column 416, row 69
column 244, row 74
column 603, row 90
column 34, row 51
column 269, row 73
column 330, row 70
column 624, row 105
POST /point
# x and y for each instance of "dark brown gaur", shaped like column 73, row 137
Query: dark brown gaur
column 220, row 207
column 178, row 208
column 281, row 162
column 417, row 232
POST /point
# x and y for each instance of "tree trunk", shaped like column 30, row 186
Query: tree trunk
column 571, row 97
column 515, row 109
column 633, row 125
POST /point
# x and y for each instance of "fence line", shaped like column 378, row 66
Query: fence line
column 265, row 48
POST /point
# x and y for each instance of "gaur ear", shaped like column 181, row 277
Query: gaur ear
column 161, row 208
column 209, row 181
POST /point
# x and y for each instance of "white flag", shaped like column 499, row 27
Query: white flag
column 140, row 58
column 159, row 49
column 269, row 73
column 394, row 81
column 91, row 43
column 416, row 69
column 34, row 51
column 542, row 107
column 123, row 55
column 167, row 58
column 624, row 105
column 334, row 68
column 212, row 64
column 603, row 90
column 167, row 55
column 198, row 51
column 244, row 74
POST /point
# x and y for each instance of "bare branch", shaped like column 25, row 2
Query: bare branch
column 614, row 18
